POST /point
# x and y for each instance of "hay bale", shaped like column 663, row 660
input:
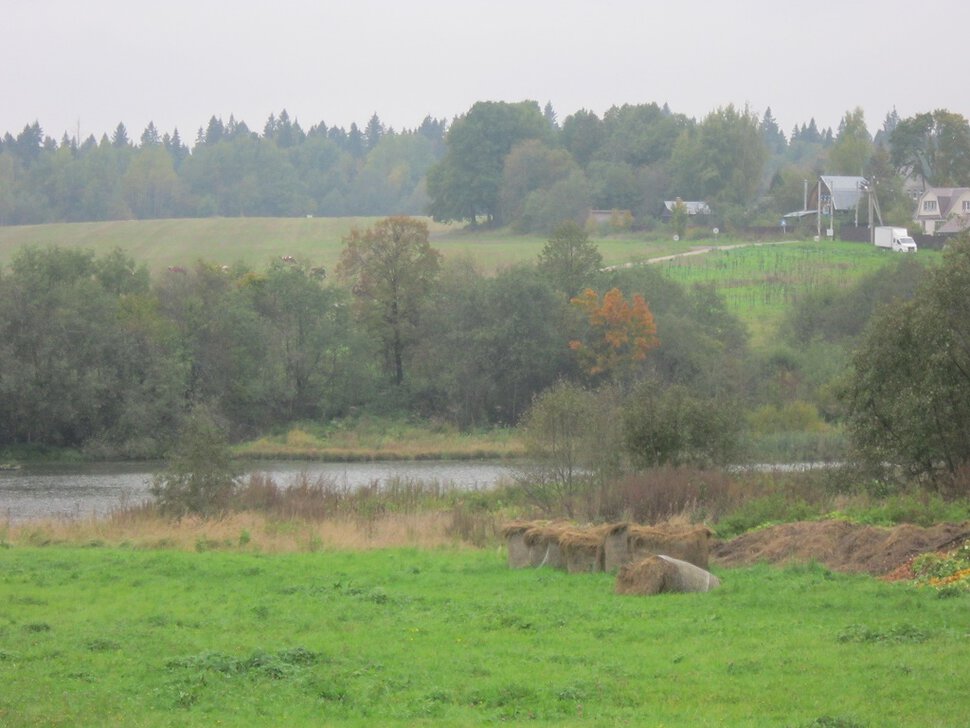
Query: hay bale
column 663, row 574
column 519, row 556
column 583, row 550
column 616, row 546
column 543, row 544
column 691, row 545
column 644, row 577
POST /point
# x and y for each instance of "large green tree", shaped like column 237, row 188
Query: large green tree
column 933, row 146
column 392, row 268
column 853, row 145
column 909, row 393
column 721, row 159
column 467, row 183
column 569, row 258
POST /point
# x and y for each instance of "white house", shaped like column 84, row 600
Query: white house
column 942, row 210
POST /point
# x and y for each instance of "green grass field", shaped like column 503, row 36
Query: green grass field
column 256, row 241
column 123, row 637
column 759, row 283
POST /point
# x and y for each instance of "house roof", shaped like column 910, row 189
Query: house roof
column 845, row 191
column 946, row 197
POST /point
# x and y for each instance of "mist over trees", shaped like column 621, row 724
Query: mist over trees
column 499, row 163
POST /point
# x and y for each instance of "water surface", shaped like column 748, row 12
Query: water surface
column 83, row 491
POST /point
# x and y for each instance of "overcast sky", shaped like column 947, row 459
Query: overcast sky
column 90, row 65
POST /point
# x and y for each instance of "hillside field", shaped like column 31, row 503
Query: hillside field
column 128, row 637
column 758, row 281
column 256, row 241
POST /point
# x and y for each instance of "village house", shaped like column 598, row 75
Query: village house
column 943, row 210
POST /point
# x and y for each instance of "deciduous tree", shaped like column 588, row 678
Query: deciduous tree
column 909, row 392
column 392, row 268
column 467, row 182
column 620, row 334
column 721, row 159
column 934, row 146
column 569, row 258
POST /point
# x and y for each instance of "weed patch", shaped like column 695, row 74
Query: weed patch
column 275, row 666
column 896, row 634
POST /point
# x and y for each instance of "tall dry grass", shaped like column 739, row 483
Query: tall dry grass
column 307, row 515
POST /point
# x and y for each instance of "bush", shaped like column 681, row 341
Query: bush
column 674, row 426
column 200, row 479
column 797, row 416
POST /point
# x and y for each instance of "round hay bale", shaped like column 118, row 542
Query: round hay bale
column 691, row 545
column 662, row 574
column 686, row 577
column 643, row 577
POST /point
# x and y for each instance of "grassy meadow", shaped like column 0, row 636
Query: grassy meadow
column 255, row 241
column 127, row 637
column 760, row 282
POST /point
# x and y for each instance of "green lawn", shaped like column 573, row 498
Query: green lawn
column 116, row 637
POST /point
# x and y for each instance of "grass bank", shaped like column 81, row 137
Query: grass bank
column 370, row 439
column 121, row 637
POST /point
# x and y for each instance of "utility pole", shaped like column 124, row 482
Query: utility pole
column 818, row 212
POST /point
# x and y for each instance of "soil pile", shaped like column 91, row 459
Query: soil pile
column 840, row 546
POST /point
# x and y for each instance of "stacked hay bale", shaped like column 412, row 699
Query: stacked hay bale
column 663, row 574
column 616, row 546
column 583, row 549
column 648, row 560
column 542, row 540
column 514, row 532
column 691, row 545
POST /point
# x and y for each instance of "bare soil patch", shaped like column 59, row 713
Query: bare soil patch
column 839, row 545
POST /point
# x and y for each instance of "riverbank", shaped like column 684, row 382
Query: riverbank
column 371, row 440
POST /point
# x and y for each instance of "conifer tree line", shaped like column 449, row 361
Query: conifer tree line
column 498, row 163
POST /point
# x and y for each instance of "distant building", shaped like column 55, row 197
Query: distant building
column 943, row 210
column 694, row 207
column 841, row 194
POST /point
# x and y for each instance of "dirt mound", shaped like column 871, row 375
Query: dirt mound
column 839, row 545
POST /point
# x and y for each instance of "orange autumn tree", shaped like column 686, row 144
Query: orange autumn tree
column 620, row 333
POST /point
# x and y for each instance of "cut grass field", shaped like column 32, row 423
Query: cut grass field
column 124, row 637
column 256, row 241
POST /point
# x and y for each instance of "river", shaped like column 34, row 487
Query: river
column 95, row 489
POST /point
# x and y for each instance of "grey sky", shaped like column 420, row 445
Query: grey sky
column 178, row 62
